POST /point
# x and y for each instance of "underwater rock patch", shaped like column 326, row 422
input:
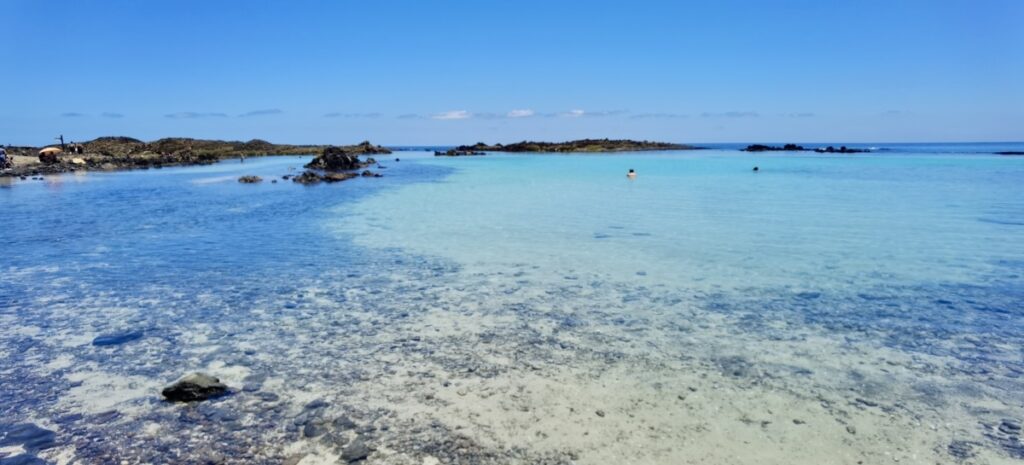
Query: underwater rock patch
column 117, row 339
column 30, row 437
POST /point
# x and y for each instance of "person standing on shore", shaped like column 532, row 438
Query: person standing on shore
column 3, row 158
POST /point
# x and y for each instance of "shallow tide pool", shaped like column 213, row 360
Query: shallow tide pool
column 522, row 309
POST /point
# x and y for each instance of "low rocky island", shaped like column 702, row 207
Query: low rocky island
column 800, row 148
column 340, row 163
column 574, row 146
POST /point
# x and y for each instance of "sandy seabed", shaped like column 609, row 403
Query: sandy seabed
column 423, row 363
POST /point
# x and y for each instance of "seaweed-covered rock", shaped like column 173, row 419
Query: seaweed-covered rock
column 195, row 387
column 250, row 179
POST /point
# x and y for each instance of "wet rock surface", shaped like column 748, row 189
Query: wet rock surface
column 250, row 179
column 195, row 387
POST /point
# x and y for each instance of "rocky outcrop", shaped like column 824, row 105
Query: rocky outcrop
column 769, row 148
column 842, row 149
column 459, row 153
column 195, row 387
column 582, row 145
column 800, row 148
column 312, row 177
column 346, row 158
column 250, row 179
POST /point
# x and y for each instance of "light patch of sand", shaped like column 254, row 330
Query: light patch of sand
column 100, row 392
column 232, row 375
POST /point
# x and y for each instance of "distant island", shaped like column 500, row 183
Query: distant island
column 575, row 146
column 800, row 148
column 123, row 153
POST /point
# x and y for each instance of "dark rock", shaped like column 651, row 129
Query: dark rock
column 769, row 148
column 250, row 179
column 346, row 158
column 459, row 153
column 842, row 149
column 344, row 423
column 961, row 450
column 117, row 339
column 367, row 173
column 866, row 402
column 355, row 451
column 600, row 413
column 313, row 429
column 27, row 435
column 316, row 404
column 268, row 396
column 337, row 177
column 195, row 387
column 308, row 178
column 1010, row 427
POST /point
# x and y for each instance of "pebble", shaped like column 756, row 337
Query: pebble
column 600, row 413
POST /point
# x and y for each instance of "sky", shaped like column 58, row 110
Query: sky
column 452, row 72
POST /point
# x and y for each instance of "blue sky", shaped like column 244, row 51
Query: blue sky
column 449, row 72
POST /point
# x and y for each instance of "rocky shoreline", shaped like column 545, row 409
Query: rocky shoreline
column 335, row 163
column 126, row 153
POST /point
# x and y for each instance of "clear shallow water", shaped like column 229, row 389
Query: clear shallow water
column 823, row 310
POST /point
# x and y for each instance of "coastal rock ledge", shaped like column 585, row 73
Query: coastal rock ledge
column 195, row 387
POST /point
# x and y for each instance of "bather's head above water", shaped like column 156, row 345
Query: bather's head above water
column 631, row 174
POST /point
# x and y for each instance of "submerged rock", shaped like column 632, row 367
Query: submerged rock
column 30, row 437
column 355, row 451
column 250, row 179
column 195, row 387
column 117, row 339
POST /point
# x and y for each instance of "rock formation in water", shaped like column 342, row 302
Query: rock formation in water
column 799, row 148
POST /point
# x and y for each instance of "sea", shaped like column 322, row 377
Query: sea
column 857, row 308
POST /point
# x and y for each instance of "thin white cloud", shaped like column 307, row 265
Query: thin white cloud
column 524, row 113
column 452, row 115
column 574, row 113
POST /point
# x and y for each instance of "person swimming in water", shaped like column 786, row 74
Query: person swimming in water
column 631, row 174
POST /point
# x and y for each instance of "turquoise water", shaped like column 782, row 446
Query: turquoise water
column 825, row 309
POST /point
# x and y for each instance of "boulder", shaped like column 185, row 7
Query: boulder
column 195, row 387
column 336, row 159
column 250, row 179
